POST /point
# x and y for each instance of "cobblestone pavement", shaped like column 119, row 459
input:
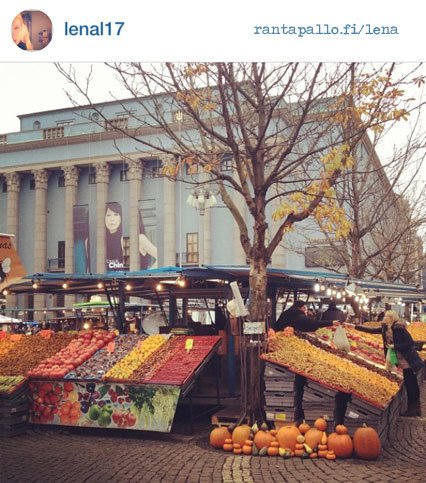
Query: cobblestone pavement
column 61, row 455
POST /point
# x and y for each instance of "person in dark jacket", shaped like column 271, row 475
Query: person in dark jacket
column 296, row 317
column 333, row 313
column 396, row 336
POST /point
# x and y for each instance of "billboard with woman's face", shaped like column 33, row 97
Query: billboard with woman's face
column 114, row 242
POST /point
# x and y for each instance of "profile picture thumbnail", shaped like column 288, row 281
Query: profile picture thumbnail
column 32, row 30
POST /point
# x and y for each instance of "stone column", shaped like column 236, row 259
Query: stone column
column 41, row 177
column 71, row 183
column 170, row 247
column 13, row 186
column 102, row 181
column 135, row 180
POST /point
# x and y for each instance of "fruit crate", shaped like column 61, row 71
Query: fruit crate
column 275, row 371
column 313, row 396
column 318, row 388
column 356, row 416
column 280, row 385
column 366, row 406
column 280, row 415
column 315, row 410
column 280, row 399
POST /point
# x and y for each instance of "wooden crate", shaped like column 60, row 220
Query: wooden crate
column 280, row 416
column 314, row 410
column 280, row 399
column 277, row 384
column 275, row 371
column 317, row 387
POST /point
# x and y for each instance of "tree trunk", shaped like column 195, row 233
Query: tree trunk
column 253, row 346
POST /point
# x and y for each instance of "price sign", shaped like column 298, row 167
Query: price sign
column 111, row 347
column 189, row 344
column 254, row 328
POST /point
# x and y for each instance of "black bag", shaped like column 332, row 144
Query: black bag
column 414, row 360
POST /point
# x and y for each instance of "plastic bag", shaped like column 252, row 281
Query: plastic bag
column 391, row 359
column 340, row 339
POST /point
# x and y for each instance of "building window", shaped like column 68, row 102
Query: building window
column 61, row 254
column 36, row 125
column 226, row 162
column 53, row 132
column 191, row 169
column 61, row 181
column 152, row 167
column 126, row 252
column 92, row 176
column 192, row 248
column 3, row 138
column 117, row 123
column 4, row 187
column 32, row 184
column 124, row 173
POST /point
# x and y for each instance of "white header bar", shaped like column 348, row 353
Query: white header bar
column 220, row 30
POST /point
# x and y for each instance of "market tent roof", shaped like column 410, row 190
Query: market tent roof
column 206, row 281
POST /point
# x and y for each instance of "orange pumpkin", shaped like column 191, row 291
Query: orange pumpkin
column 304, row 427
column 274, row 444
column 240, row 434
column 287, row 436
column 273, row 451
column 228, row 447
column 341, row 429
column 238, row 450
column 218, row 436
column 313, row 455
column 313, row 437
column 248, row 442
column 322, row 453
column 262, row 439
column 341, row 444
column 247, row 449
column 366, row 443
column 320, row 424
column 330, row 455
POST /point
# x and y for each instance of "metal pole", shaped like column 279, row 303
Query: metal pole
column 201, row 257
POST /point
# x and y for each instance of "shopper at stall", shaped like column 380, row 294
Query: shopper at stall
column 396, row 336
column 296, row 317
column 333, row 313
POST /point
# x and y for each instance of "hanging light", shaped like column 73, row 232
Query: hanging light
column 322, row 287
column 328, row 292
column 316, row 287
column 36, row 283
column 100, row 285
column 158, row 287
column 338, row 295
column 5, row 292
column 181, row 282
column 128, row 287
column 65, row 285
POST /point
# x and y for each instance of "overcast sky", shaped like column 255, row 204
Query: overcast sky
column 34, row 87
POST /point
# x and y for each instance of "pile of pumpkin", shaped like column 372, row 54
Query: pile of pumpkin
column 303, row 441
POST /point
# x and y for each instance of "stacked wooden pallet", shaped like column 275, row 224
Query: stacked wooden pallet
column 280, row 394
column 14, row 409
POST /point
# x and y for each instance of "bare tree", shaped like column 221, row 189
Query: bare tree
column 291, row 130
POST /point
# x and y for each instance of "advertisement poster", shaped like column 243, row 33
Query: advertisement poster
column 81, row 239
column 88, row 404
column 114, row 237
column 11, row 268
column 148, row 234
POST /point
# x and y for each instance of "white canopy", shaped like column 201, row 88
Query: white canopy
column 8, row 320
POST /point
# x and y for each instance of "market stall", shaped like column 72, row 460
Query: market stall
column 94, row 378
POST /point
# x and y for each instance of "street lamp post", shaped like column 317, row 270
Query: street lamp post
column 201, row 199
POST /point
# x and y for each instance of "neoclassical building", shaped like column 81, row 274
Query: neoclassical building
column 63, row 170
